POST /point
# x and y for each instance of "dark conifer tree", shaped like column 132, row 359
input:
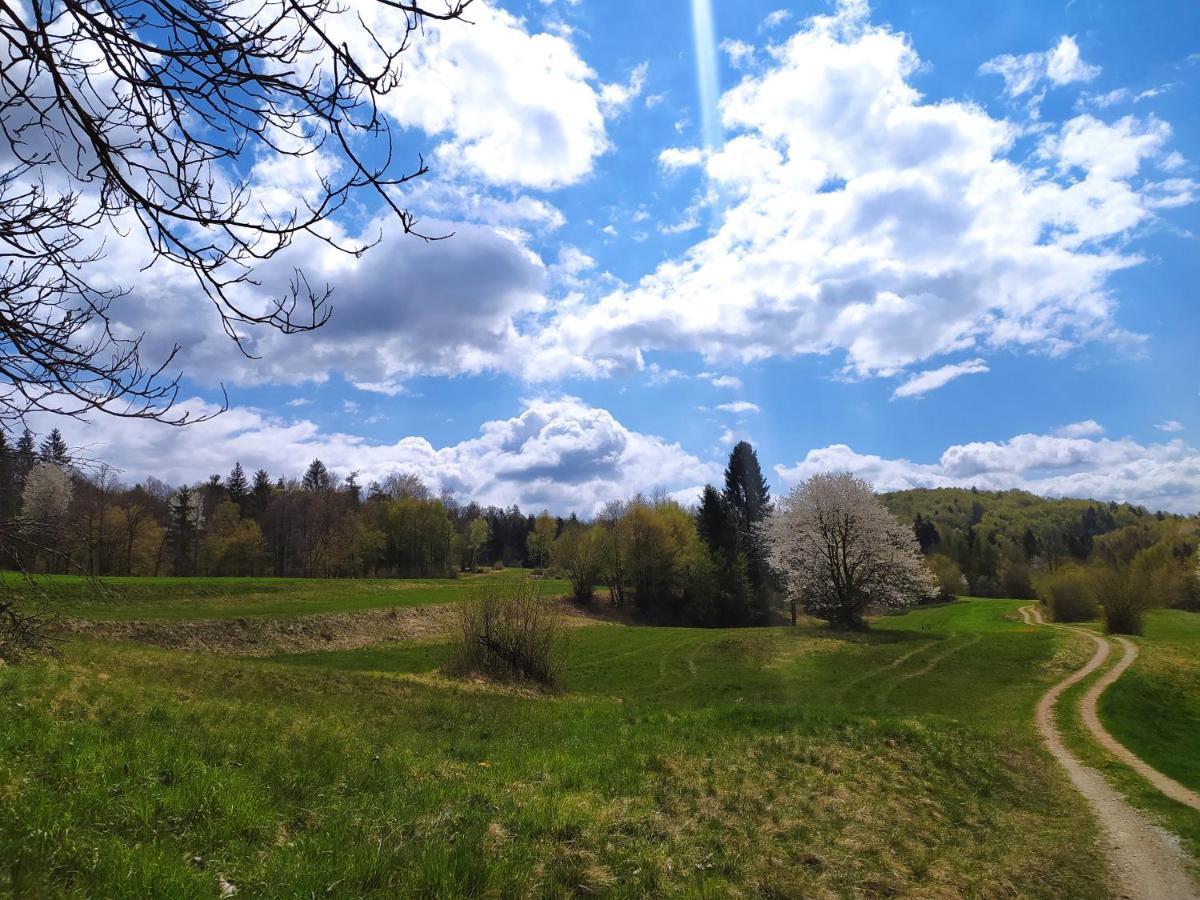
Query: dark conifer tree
column 26, row 457
column 182, row 531
column 260, row 494
column 926, row 533
column 746, row 491
column 712, row 521
column 317, row 477
column 54, row 449
column 748, row 500
column 238, row 487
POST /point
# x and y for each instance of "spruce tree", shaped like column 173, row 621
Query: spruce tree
column 712, row 521
column 261, row 491
column 237, row 487
column 26, row 456
column 317, row 477
column 54, row 449
column 748, row 499
column 746, row 491
column 184, row 529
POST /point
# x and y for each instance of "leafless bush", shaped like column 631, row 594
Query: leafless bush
column 508, row 632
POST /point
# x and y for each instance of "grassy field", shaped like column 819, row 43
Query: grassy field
column 232, row 598
column 675, row 762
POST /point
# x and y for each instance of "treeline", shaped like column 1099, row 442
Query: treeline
column 648, row 554
column 706, row 565
column 1015, row 544
column 62, row 516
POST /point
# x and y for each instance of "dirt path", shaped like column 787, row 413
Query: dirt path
column 1088, row 707
column 1147, row 861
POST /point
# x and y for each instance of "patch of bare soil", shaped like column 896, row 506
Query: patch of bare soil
column 268, row 636
column 295, row 634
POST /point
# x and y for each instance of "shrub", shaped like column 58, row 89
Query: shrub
column 576, row 553
column 509, row 633
column 1016, row 579
column 948, row 575
column 1069, row 593
column 1122, row 597
column 498, row 566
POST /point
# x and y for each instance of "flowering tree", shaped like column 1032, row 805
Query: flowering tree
column 839, row 550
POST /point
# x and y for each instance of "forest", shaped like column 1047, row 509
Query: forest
column 706, row 564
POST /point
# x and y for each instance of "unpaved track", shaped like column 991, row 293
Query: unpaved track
column 1147, row 861
column 1088, row 707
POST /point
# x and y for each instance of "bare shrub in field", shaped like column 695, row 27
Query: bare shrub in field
column 1068, row 592
column 509, row 633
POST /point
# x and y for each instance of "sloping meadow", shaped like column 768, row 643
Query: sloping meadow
column 674, row 762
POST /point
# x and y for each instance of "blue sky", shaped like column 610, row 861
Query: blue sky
column 897, row 195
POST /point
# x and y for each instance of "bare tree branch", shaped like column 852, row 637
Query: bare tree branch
column 147, row 117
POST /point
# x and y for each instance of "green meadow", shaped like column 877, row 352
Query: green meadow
column 194, row 598
column 673, row 762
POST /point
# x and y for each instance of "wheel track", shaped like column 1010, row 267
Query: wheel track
column 1147, row 861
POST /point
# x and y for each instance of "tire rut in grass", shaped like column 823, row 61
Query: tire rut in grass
column 1146, row 860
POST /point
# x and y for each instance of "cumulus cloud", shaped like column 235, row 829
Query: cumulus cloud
column 1157, row 476
column 557, row 453
column 405, row 307
column 1171, row 426
column 921, row 383
column 514, row 107
column 858, row 218
column 1023, row 74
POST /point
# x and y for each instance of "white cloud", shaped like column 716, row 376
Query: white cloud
column 1022, row 74
column 739, row 406
column 1106, row 151
column 674, row 158
column 1086, row 428
column 1158, row 476
column 740, row 53
column 855, row 217
column 921, row 383
column 1173, row 162
column 515, row 107
column 557, row 453
column 1170, row 425
column 775, row 19
column 1065, row 66
column 731, row 382
column 406, row 307
column 616, row 98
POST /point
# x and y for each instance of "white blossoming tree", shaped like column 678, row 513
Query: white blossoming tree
column 840, row 551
